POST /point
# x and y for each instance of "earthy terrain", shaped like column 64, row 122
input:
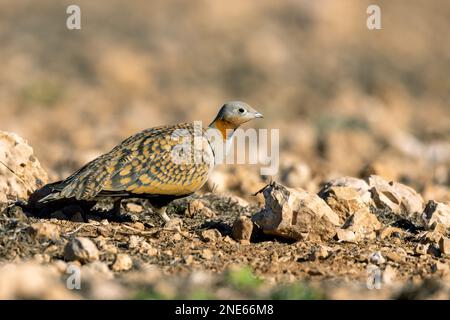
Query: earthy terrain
column 349, row 103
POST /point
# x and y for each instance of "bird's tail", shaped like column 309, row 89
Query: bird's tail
column 49, row 192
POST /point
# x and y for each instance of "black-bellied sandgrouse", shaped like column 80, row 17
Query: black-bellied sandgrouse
column 148, row 164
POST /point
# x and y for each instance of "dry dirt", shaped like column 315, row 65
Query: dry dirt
column 203, row 248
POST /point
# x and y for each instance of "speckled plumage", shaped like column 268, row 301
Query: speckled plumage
column 141, row 165
column 145, row 165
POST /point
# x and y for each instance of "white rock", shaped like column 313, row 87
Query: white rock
column 134, row 241
column 296, row 214
column 123, row 262
column 17, row 156
column 397, row 197
column 436, row 213
column 359, row 185
column 345, row 235
column 81, row 249
column 376, row 258
column 363, row 224
column 345, row 201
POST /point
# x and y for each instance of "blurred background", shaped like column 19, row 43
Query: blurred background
column 347, row 100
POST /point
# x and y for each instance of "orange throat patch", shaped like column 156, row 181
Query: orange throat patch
column 226, row 128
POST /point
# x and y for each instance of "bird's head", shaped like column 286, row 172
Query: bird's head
column 234, row 113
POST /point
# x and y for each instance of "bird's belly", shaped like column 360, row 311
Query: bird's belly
column 175, row 188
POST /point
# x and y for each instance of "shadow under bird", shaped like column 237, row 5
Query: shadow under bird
column 143, row 166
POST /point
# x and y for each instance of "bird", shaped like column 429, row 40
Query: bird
column 150, row 165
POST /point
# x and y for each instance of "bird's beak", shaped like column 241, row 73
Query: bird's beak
column 258, row 115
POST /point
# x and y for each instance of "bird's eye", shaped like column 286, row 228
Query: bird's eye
column 241, row 110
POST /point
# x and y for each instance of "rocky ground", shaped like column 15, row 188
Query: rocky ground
column 360, row 238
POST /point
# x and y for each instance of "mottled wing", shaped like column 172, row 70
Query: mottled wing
column 164, row 164
column 145, row 163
